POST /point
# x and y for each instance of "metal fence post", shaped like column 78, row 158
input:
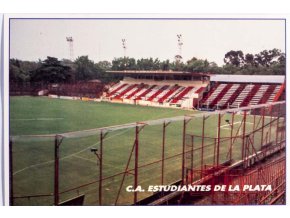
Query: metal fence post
column 163, row 150
column 232, row 129
column 202, row 147
column 243, row 136
column 101, row 167
column 183, row 149
column 11, row 198
column 136, row 162
column 162, row 155
column 263, row 123
column 57, row 143
column 218, row 140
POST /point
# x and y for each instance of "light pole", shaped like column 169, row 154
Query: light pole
column 178, row 57
column 124, row 46
column 71, row 47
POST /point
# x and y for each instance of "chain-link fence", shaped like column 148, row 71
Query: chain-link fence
column 117, row 165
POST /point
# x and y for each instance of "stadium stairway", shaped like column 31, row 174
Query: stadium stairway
column 250, row 95
column 119, row 96
column 170, row 92
column 138, row 89
column 241, row 97
column 275, row 92
column 215, row 94
column 213, row 88
column 182, row 94
column 259, row 95
column 267, row 94
column 163, row 88
column 220, row 95
column 117, row 89
column 201, row 89
column 229, row 93
column 234, row 96
column 143, row 94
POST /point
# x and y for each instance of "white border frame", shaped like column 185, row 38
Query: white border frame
column 5, row 57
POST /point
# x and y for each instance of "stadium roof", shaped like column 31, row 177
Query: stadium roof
column 248, row 78
column 157, row 72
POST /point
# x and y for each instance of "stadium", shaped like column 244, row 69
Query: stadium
column 85, row 144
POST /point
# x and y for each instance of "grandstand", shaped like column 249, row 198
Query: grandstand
column 194, row 90
column 233, row 91
column 158, row 88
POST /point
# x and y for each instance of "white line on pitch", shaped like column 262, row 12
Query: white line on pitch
column 236, row 123
column 83, row 158
column 39, row 119
column 70, row 155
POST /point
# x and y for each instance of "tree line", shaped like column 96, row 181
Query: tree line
column 52, row 70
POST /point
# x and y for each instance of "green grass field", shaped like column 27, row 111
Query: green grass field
column 33, row 157
column 57, row 115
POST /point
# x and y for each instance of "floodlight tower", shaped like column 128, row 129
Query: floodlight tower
column 178, row 57
column 70, row 41
column 124, row 46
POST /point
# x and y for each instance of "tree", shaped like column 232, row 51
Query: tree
column 125, row 63
column 148, row 64
column 177, row 66
column 267, row 62
column 20, row 71
column 268, row 57
column 51, row 71
column 165, row 65
column 235, row 58
column 101, row 68
column 250, row 60
column 104, row 65
column 85, row 69
column 199, row 65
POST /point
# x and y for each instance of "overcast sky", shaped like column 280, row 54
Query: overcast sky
column 101, row 39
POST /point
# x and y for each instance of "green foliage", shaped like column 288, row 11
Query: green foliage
column 267, row 62
column 196, row 65
column 148, row 64
column 20, row 71
column 51, row 70
column 235, row 58
column 125, row 63
column 85, row 69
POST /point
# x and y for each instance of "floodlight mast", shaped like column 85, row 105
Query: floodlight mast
column 125, row 49
column 70, row 40
column 124, row 46
column 178, row 57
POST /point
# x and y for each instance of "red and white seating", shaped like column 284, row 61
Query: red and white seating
column 117, row 87
column 125, row 91
column 214, row 94
column 239, row 95
column 223, row 101
column 157, row 92
column 183, row 93
column 272, row 96
column 172, row 91
column 144, row 92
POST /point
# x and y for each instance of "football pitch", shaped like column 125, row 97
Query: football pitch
column 33, row 156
